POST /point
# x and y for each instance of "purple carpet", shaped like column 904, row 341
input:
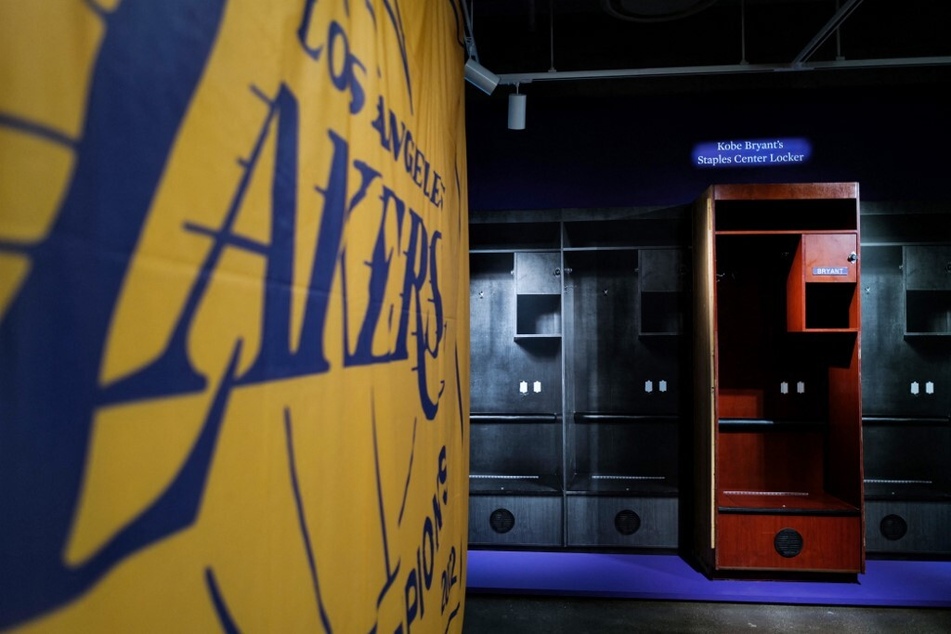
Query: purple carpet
column 669, row 577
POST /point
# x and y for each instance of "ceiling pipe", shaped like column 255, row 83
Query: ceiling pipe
column 512, row 79
column 743, row 67
column 743, row 32
column 830, row 27
column 838, row 40
column 469, row 37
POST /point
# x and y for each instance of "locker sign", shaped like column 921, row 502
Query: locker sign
column 751, row 153
column 830, row 270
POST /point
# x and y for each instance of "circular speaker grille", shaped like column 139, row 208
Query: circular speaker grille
column 627, row 522
column 501, row 520
column 893, row 527
column 788, row 542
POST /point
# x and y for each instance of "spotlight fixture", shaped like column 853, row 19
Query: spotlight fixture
column 481, row 77
column 476, row 74
column 517, row 110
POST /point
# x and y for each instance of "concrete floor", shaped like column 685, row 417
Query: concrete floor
column 520, row 614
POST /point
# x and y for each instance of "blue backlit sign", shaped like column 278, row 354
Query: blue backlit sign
column 752, row 153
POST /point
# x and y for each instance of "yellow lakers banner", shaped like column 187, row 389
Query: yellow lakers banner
column 233, row 316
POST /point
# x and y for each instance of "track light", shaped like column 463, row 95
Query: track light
column 517, row 104
column 481, row 77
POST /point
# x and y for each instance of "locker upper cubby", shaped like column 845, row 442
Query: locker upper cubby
column 514, row 236
column 799, row 207
column 623, row 233
column 927, row 280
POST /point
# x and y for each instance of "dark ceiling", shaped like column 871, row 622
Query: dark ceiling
column 650, row 46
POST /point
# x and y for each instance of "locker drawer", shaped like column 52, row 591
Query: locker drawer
column 908, row 527
column 789, row 542
column 513, row 520
column 622, row 521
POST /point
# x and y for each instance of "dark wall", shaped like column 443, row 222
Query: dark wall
column 604, row 150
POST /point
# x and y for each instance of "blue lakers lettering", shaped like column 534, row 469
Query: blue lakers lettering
column 421, row 576
column 397, row 139
column 416, row 263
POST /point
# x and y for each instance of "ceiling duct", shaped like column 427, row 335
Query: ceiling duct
column 653, row 10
